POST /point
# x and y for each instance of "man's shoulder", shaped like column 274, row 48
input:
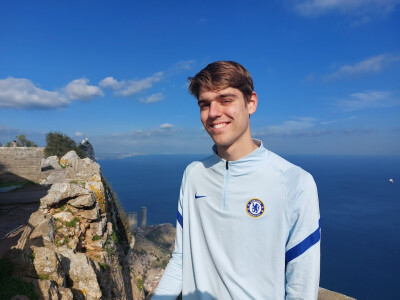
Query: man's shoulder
column 291, row 173
column 198, row 164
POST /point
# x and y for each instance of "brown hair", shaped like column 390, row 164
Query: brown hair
column 220, row 75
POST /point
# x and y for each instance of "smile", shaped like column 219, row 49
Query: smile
column 220, row 125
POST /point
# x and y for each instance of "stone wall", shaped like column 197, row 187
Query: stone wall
column 20, row 163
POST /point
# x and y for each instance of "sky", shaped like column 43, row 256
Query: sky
column 326, row 72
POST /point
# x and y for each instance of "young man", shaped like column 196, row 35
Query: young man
column 248, row 220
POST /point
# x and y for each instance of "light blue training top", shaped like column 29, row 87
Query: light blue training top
column 246, row 229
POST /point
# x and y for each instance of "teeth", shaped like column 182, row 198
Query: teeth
column 219, row 125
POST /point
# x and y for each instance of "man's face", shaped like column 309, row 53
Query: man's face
column 225, row 115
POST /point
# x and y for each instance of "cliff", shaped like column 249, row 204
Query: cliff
column 77, row 243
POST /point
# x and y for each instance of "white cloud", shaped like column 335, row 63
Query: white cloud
column 130, row 87
column 22, row 93
column 78, row 133
column 369, row 65
column 80, row 90
column 184, row 65
column 166, row 125
column 153, row 98
column 368, row 100
column 110, row 82
column 291, row 126
column 309, row 8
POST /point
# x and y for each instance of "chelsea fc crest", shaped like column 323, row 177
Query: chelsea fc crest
column 255, row 208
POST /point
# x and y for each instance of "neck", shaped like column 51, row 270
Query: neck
column 236, row 152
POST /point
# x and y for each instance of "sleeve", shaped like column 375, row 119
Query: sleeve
column 303, row 244
column 170, row 285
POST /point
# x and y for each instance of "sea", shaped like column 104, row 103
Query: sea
column 359, row 207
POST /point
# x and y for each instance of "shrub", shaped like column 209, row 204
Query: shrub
column 59, row 144
column 22, row 141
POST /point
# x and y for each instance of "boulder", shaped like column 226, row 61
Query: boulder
column 90, row 214
column 61, row 191
column 56, row 176
column 44, row 227
column 50, row 291
column 51, row 161
column 81, row 272
column 87, row 147
column 47, row 265
column 71, row 159
column 83, row 201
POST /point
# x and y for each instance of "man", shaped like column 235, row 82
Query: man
column 248, row 220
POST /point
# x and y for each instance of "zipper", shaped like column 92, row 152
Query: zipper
column 225, row 185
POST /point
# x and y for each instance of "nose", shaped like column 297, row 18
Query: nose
column 214, row 110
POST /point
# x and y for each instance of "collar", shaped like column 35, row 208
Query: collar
column 241, row 166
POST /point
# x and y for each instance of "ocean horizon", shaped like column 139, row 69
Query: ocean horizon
column 359, row 207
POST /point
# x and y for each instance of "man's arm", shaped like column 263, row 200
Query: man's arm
column 170, row 285
column 303, row 245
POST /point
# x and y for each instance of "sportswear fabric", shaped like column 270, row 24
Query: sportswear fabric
column 246, row 229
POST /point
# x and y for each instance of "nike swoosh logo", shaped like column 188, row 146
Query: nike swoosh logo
column 197, row 197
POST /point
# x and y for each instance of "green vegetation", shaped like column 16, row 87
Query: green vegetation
column 43, row 277
column 59, row 144
column 96, row 238
column 114, row 237
column 10, row 285
column 18, row 183
column 71, row 223
column 60, row 242
column 103, row 266
column 22, row 141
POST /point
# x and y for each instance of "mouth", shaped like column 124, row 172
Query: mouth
column 219, row 125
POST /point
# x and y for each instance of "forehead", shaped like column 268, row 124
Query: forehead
column 209, row 94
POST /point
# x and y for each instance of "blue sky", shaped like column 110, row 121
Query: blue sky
column 327, row 72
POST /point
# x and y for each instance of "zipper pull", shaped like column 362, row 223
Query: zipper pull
column 227, row 166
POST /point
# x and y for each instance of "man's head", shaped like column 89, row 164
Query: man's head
column 220, row 75
column 224, row 92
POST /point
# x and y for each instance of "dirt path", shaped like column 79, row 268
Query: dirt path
column 16, row 206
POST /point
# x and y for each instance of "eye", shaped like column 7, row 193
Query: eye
column 203, row 105
column 226, row 101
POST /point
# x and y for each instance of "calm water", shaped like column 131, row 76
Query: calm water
column 360, row 212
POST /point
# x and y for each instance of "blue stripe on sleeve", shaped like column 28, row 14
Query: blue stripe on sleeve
column 303, row 246
column 180, row 219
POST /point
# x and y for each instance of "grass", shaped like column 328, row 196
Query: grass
column 43, row 277
column 10, row 285
column 71, row 223
column 96, row 238
column 18, row 183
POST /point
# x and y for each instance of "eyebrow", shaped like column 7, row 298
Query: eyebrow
column 220, row 96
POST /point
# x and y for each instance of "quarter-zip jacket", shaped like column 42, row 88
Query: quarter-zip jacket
column 246, row 229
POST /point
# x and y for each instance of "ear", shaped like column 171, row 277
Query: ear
column 252, row 103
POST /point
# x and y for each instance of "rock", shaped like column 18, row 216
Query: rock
column 92, row 214
column 71, row 159
column 56, row 176
column 47, row 265
column 95, row 245
column 84, row 201
column 36, row 218
column 87, row 148
column 50, row 291
column 96, row 228
column 81, row 272
column 153, row 276
column 45, row 229
column 61, row 191
column 324, row 294
column 64, row 216
column 51, row 161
